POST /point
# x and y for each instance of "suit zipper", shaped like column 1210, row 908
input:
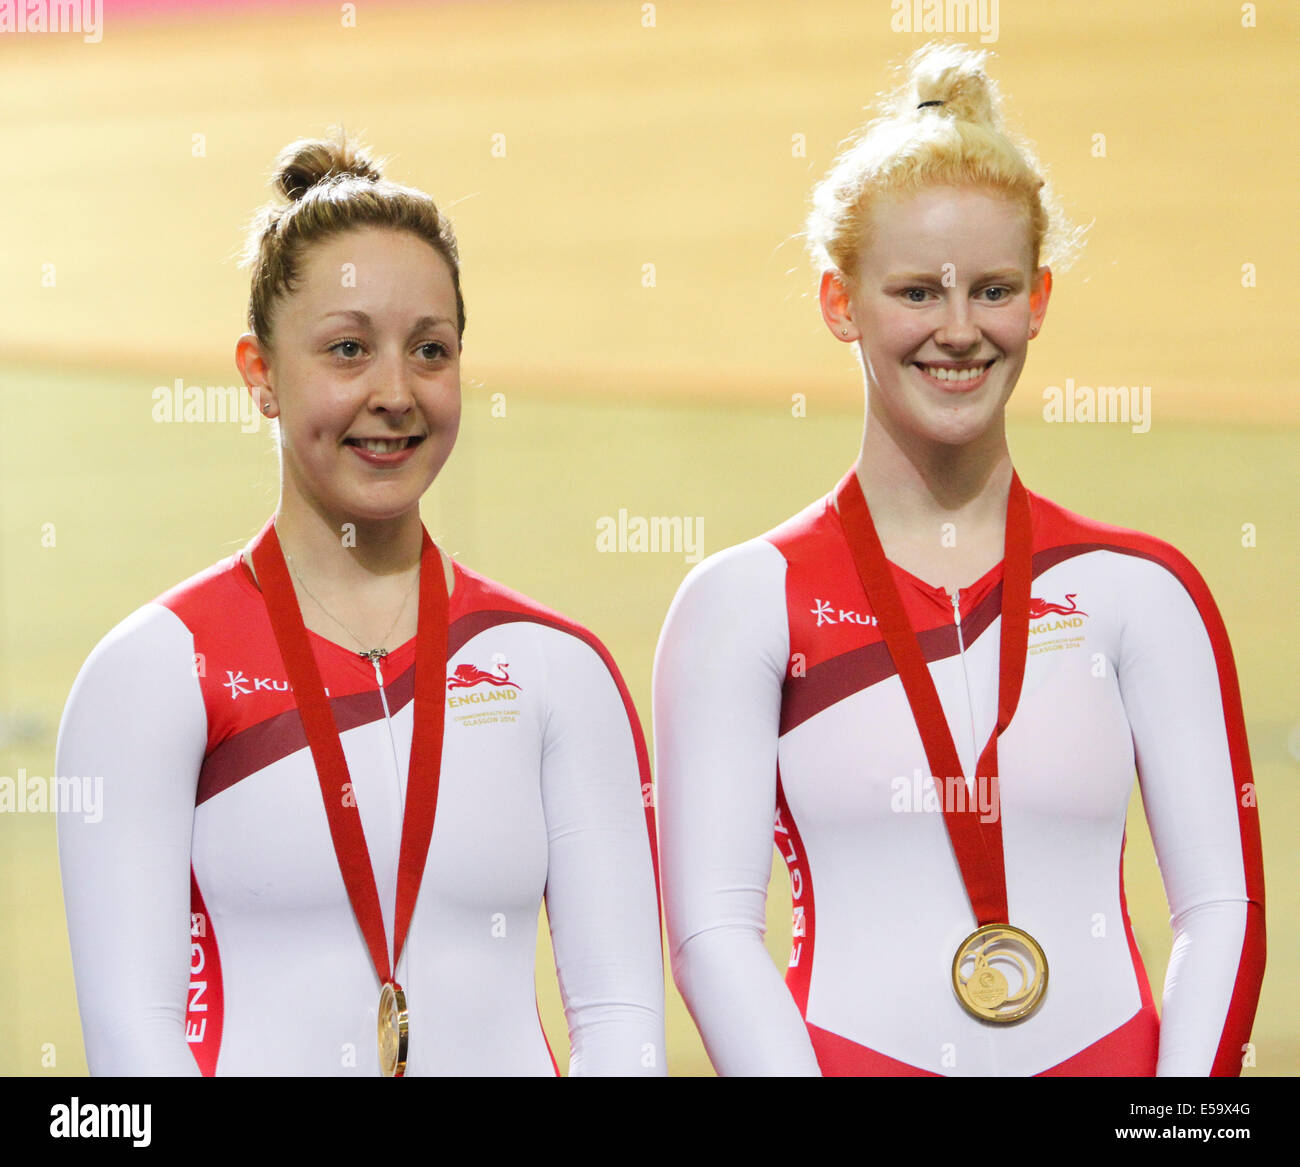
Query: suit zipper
column 970, row 702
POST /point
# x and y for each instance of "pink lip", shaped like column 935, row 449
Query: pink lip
column 396, row 458
column 955, row 386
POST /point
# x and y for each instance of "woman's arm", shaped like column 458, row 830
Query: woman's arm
column 719, row 670
column 135, row 730
column 601, row 895
column 1179, row 686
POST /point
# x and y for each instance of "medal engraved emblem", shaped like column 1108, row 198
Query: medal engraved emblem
column 999, row 973
column 393, row 1029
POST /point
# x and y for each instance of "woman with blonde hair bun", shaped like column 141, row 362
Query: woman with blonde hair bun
column 938, row 686
column 340, row 770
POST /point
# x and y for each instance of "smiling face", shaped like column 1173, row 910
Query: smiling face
column 364, row 375
column 944, row 304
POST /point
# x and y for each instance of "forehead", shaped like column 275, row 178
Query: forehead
column 966, row 226
column 372, row 266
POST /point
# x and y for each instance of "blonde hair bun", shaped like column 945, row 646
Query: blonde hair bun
column 955, row 76
column 940, row 126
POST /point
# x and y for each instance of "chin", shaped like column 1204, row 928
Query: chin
column 957, row 432
column 372, row 511
column 378, row 502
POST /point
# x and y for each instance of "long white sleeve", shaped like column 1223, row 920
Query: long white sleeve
column 135, row 726
column 601, row 898
column 1193, row 774
column 719, row 669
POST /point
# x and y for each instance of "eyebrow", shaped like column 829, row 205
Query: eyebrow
column 363, row 318
column 1010, row 273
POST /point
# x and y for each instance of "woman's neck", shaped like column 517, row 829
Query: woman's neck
column 354, row 582
column 940, row 510
column 346, row 551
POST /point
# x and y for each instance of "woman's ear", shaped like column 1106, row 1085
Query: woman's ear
column 252, row 360
column 1039, row 293
column 837, row 307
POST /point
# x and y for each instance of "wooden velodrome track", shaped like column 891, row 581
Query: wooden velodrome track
column 574, row 146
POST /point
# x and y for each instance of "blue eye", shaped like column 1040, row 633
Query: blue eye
column 922, row 292
column 1003, row 293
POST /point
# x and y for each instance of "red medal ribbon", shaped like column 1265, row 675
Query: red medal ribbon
column 327, row 751
column 976, row 844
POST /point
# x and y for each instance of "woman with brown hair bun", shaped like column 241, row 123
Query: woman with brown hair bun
column 938, row 686
column 340, row 770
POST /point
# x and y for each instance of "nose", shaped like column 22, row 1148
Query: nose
column 957, row 329
column 390, row 390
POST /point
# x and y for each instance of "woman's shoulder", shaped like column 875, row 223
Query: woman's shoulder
column 176, row 613
column 162, row 639
column 736, row 577
column 1061, row 534
column 805, row 535
column 480, row 603
column 214, row 593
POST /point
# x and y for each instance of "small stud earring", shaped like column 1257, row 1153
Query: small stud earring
column 266, row 408
column 844, row 332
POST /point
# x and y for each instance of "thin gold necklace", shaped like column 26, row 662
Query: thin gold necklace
column 373, row 655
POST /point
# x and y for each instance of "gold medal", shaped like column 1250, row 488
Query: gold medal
column 980, row 973
column 393, row 1025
